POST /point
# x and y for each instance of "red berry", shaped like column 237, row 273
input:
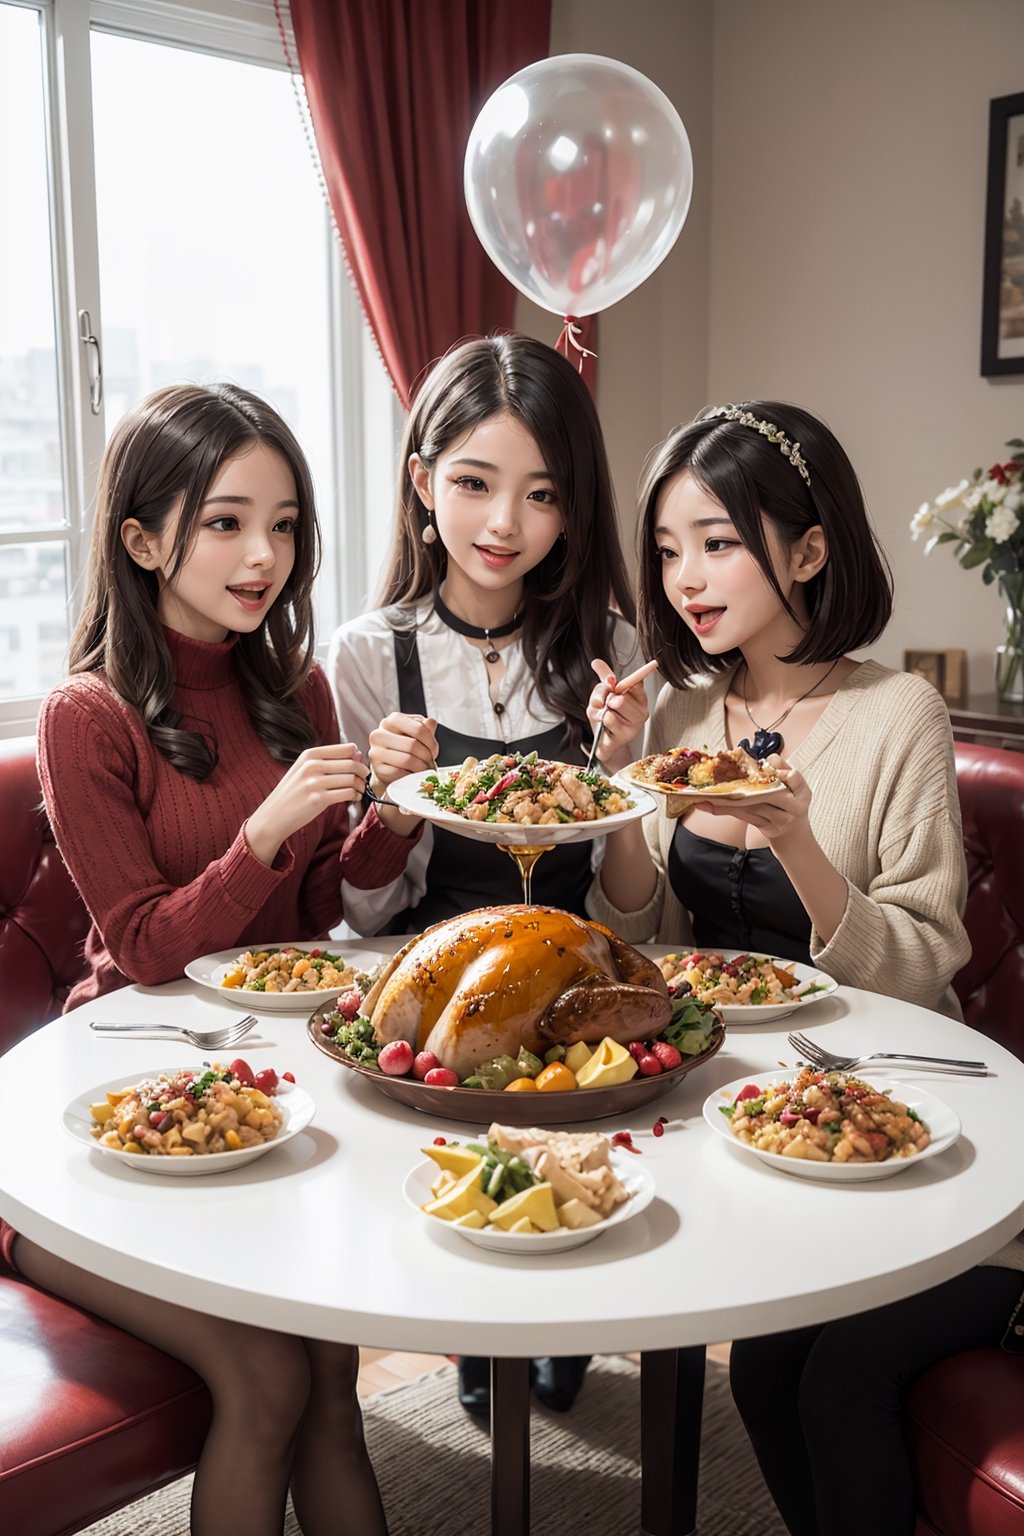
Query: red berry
column 289, row 1077
column 396, row 1058
column 266, row 1081
column 442, row 1077
column 242, row 1070
column 158, row 1119
column 657, row 1129
column 440, row 1141
column 314, row 954
column 424, row 1062
column 649, row 1065
column 349, row 1004
column 326, row 1027
column 666, row 1054
column 663, row 1119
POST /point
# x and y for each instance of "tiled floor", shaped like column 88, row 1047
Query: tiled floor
column 379, row 1369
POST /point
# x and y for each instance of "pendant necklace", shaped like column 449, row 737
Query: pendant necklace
column 474, row 631
column 766, row 738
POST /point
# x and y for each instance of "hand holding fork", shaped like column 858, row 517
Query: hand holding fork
column 617, row 710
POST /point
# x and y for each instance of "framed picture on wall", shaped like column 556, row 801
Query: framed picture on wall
column 1002, row 311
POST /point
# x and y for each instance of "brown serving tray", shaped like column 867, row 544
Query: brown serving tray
column 479, row 1106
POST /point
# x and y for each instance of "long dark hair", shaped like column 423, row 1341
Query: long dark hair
column 567, row 621
column 164, row 452
column 848, row 601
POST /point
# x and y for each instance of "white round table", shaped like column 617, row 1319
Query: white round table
column 315, row 1237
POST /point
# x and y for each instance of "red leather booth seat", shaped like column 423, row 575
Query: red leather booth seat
column 90, row 1418
column 991, row 985
column 42, row 920
column 965, row 1421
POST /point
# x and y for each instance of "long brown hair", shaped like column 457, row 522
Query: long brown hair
column 165, row 453
column 849, row 600
column 566, row 621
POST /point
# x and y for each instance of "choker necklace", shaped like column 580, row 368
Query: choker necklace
column 474, row 631
column 766, row 738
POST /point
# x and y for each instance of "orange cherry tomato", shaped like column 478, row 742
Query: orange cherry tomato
column 521, row 1085
column 555, row 1079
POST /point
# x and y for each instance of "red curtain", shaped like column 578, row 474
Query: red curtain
column 394, row 87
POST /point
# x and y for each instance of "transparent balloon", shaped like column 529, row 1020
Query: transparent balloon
column 578, row 177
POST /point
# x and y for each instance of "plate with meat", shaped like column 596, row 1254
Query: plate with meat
column 520, row 1013
column 831, row 1126
column 521, row 800
column 745, row 988
column 685, row 774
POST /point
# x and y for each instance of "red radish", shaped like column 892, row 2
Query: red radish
column 666, row 1054
column 424, row 1062
column 649, row 1065
column 442, row 1077
column 242, row 1070
column 637, row 1049
column 349, row 1004
column 266, row 1081
column 751, row 1091
column 396, row 1058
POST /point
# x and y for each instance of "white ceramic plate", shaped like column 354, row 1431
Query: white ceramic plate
column 942, row 1121
column 210, row 970
column 759, row 1013
column 691, row 792
column 406, row 794
column 630, row 1170
column 295, row 1104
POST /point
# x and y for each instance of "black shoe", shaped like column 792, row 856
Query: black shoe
column 557, row 1380
column 475, row 1385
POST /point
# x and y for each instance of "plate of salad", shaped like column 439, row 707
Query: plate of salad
column 521, row 799
column 745, row 987
column 286, row 978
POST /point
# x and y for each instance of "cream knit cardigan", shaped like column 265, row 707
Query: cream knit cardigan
column 884, row 808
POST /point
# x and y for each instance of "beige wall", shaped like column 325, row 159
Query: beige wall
column 832, row 255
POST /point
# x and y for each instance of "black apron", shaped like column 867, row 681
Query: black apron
column 740, row 898
column 464, row 873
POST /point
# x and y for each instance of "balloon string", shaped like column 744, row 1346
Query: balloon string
column 571, row 330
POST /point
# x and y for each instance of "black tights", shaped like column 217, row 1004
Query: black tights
column 285, row 1411
column 822, row 1406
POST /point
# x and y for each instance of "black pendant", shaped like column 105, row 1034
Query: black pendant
column 492, row 656
column 765, row 743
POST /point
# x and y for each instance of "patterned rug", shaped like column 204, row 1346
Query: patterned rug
column 432, row 1462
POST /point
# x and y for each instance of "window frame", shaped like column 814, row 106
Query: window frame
column 245, row 31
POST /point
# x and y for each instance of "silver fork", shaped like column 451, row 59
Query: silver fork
column 205, row 1039
column 817, row 1056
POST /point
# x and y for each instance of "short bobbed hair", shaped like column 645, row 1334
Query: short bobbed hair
column 849, row 600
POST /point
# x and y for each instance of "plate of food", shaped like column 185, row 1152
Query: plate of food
column 686, row 774
column 189, row 1121
column 518, row 800
column 746, row 988
column 286, row 978
column 831, row 1126
column 529, row 1191
column 524, row 1014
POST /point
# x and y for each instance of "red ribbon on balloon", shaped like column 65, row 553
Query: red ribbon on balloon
column 570, row 334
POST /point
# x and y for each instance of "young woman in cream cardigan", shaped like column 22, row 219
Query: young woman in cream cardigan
column 759, row 573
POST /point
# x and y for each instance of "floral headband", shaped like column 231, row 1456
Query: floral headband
column 767, row 429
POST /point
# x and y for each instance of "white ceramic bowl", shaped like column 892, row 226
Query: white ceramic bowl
column 758, row 1013
column 210, row 970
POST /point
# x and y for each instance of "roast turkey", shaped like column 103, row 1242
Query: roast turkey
column 487, row 982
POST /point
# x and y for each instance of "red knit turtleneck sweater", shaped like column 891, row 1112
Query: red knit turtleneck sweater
column 161, row 860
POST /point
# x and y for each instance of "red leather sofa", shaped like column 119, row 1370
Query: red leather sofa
column 91, row 1418
column 965, row 1418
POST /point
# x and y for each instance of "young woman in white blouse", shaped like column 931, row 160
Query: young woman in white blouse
column 494, row 609
column 494, row 614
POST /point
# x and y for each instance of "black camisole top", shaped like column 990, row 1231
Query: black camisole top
column 740, row 898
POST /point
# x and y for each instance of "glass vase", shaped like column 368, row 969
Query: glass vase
column 1010, row 657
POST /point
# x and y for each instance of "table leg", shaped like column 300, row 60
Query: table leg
column 671, row 1404
column 510, row 1447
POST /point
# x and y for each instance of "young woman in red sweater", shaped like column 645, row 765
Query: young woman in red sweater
column 200, row 798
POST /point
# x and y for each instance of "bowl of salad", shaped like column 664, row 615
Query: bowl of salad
column 520, row 799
